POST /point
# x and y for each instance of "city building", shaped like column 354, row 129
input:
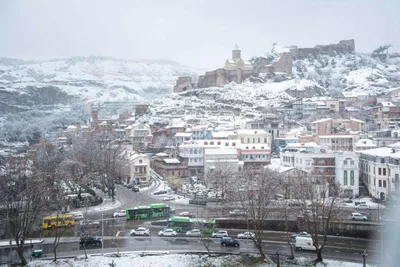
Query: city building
column 192, row 154
column 141, row 136
column 139, row 169
column 386, row 115
column 347, row 173
column 380, row 170
column 335, row 126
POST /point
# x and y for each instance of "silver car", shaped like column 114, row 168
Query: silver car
column 358, row 217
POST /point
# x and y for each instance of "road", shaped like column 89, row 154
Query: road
column 343, row 250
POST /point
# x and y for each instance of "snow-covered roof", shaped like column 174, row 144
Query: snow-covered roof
column 349, row 94
column 183, row 134
column 365, row 142
column 302, row 145
column 338, row 136
column 381, row 152
column 171, row 161
column 222, row 134
column 161, row 154
column 279, row 168
column 387, row 104
column 322, row 120
column 220, row 151
column 245, row 131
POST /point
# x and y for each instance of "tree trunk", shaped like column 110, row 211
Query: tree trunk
column 319, row 256
column 55, row 254
column 20, row 251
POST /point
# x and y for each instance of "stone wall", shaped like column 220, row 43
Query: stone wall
column 183, row 84
column 344, row 46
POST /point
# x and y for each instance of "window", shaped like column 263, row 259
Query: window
column 301, row 161
column 191, row 151
column 254, row 140
column 226, row 144
column 248, row 140
column 384, row 171
column 195, row 160
column 374, row 170
column 211, row 143
column 379, row 171
column 242, row 140
column 345, row 162
column 140, row 161
column 384, row 183
column 352, row 162
column 265, row 140
column 259, row 140
column 233, row 144
column 195, row 151
column 205, row 143
column 219, row 143
column 351, row 177
column 345, row 178
column 380, row 183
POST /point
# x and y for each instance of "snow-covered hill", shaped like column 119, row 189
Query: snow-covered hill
column 62, row 81
column 320, row 76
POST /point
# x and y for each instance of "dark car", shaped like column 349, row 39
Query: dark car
column 229, row 242
column 135, row 189
column 91, row 241
column 162, row 192
column 197, row 202
column 129, row 186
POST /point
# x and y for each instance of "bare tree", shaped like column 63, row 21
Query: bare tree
column 175, row 182
column 316, row 196
column 23, row 194
column 221, row 176
column 256, row 190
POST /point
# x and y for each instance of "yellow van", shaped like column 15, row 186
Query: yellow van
column 62, row 220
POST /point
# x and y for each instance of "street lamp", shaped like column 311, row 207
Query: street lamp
column 102, row 232
column 364, row 255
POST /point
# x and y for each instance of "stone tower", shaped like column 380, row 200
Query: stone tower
column 236, row 53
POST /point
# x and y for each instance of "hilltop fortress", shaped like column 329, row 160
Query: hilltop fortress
column 237, row 70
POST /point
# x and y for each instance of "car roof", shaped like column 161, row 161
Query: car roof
column 141, row 228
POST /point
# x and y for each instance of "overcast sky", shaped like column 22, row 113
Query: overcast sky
column 199, row 33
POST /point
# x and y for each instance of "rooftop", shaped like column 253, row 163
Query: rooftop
column 381, row 152
column 172, row 161
column 183, row 134
column 221, row 151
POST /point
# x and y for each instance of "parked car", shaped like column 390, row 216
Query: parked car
column 237, row 213
column 162, row 192
column 194, row 232
column 358, row 217
column 246, row 235
column 197, row 202
column 135, row 189
column 121, row 213
column 219, row 234
column 77, row 216
column 167, row 232
column 308, row 213
column 301, row 234
column 90, row 241
column 186, row 214
column 141, row 231
column 362, row 207
column 229, row 242
column 89, row 223
column 170, row 197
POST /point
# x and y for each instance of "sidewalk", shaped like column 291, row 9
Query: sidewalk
column 6, row 243
column 107, row 204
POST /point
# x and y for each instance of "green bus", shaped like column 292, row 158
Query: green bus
column 148, row 212
column 182, row 224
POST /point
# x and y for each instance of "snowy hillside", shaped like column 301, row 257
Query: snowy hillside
column 27, row 83
column 312, row 77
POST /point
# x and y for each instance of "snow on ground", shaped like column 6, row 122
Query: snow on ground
column 175, row 260
column 106, row 205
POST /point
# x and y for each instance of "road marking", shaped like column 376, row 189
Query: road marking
column 338, row 251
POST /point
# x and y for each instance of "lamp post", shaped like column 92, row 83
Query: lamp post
column 364, row 255
column 102, row 232
column 278, row 264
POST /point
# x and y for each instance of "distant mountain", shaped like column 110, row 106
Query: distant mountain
column 315, row 76
column 27, row 84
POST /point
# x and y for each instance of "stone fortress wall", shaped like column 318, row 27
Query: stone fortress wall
column 237, row 70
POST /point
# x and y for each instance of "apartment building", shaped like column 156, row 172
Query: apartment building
column 380, row 170
column 335, row 126
column 337, row 142
column 387, row 115
column 192, row 154
column 140, row 134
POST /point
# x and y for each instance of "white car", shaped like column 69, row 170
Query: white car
column 237, row 213
column 140, row 231
column 363, row 207
column 167, row 232
column 89, row 223
column 220, row 234
column 121, row 213
column 169, row 197
column 246, row 235
column 358, row 217
column 194, row 232
column 77, row 216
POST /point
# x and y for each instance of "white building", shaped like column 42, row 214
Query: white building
column 253, row 137
column 347, row 172
column 380, row 170
column 192, row 152
column 338, row 167
column 140, row 135
column 336, row 142
column 180, row 138
column 139, row 169
column 221, row 159
column 364, row 144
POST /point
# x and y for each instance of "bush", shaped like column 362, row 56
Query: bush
column 91, row 191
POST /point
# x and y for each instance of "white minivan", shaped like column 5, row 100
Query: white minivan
column 304, row 243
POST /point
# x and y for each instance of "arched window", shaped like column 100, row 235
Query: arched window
column 233, row 144
column 219, row 143
column 226, row 144
column 205, row 143
column 345, row 178
column 351, row 177
column 195, row 151
column 262, row 147
column 191, row 151
column 211, row 143
column 254, row 147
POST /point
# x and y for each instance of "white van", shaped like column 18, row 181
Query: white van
column 304, row 243
column 77, row 215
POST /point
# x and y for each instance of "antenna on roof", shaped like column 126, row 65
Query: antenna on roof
column 237, row 47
